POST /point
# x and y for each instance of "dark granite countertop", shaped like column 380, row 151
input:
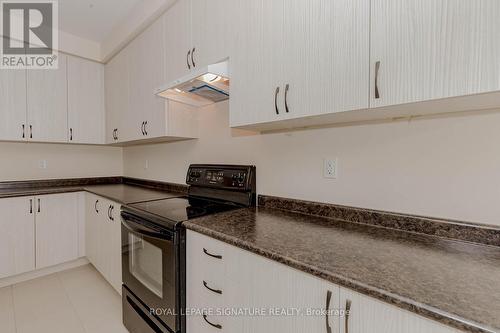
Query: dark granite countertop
column 127, row 194
column 454, row 282
column 120, row 193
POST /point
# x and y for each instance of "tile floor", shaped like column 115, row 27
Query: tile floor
column 74, row 301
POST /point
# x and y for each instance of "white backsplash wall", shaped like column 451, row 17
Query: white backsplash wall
column 445, row 167
column 23, row 161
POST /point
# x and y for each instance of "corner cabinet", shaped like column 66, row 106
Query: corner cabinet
column 221, row 276
column 103, row 238
column 295, row 59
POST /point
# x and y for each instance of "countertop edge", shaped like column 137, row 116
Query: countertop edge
column 387, row 297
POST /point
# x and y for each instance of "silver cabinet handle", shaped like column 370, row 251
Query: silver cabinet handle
column 287, row 87
column 95, row 206
column 23, row 132
column 70, row 134
column 145, row 128
column 276, row 100
column 328, row 299
column 38, row 206
column 187, row 59
column 211, row 289
column 31, row 132
column 192, row 57
column 142, row 128
column 377, row 69
column 347, row 313
column 211, row 255
column 31, row 206
column 209, row 323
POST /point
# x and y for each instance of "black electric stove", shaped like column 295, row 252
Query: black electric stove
column 153, row 244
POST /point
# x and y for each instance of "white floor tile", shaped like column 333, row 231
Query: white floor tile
column 42, row 306
column 7, row 318
column 97, row 304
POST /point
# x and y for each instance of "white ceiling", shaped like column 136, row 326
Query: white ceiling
column 93, row 19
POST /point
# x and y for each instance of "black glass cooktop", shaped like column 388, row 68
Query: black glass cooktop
column 183, row 208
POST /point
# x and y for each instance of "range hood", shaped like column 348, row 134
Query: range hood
column 201, row 87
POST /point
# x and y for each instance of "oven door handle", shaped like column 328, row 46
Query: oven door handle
column 145, row 231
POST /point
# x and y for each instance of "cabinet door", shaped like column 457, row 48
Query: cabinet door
column 275, row 286
column 212, row 30
column 12, row 104
column 430, row 49
column 370, row 315
column 94, row 208
column 48, row 103
column 326, row 56
column 257, row 63
column 17, row 239
column 85, row 101
column 147, row 72
column 56, row 229
column 178, row 39
column 116, row 89
column 115, row 246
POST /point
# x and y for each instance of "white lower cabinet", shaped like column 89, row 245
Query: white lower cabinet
column 279, row 299
column 370, row 315
column 17, row 239
column 103, row 238
column 39, row 231
column 56, row 229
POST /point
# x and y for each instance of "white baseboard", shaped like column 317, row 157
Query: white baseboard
column 8, row 281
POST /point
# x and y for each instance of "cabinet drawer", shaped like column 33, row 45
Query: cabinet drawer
column 208, row 258
column 219, row 310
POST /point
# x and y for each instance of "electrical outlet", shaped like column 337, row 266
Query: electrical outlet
column 42, row 164
column 330, row 168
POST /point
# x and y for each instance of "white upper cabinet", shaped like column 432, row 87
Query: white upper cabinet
column 294, row 59
column 431, row 49
column 85, row 101
column 47, row 100
column 212, row 30
column 12, row 104
column 17, row 239
column 147, row 61
column 56, row 229
column 177, row 25
column 116, row 76
column 256, row 63
column 326, row 56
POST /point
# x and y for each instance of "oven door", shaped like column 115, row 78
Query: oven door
column 150, row 267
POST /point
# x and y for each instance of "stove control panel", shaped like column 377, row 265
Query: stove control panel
column 225, row 177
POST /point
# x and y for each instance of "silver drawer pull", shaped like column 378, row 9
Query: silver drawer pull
column 209, row 323
column 211, row 255
column 211, row 289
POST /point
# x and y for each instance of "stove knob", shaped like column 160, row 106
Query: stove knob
column 241, row 178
